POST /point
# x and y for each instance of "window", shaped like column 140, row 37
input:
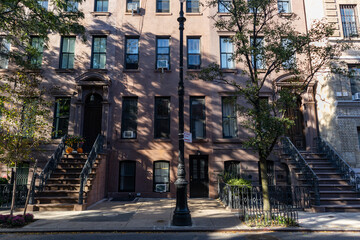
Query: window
column 132, row 53
column 257, row 53
column 229, row 123
column 224, row 6
column 61, row 117
column 127, row 176
column 162, row 117
column 101, row 5
column 67, row 52
column 99, row 53
column 163, row 53
column 43, row 3
column 162, row 6
column 129, row 3
column 358, row 133
column 38, row 44
column 288, row 48
column 194, row 56
column 129, row 117
column 29, row 111
column 161, row 176
column 232, row 168
column 4, row 53
column 284, row 6
column 72, row 6
column 226, row 53
column 197, row 117
column 354, row 71
column 348, row 19
column 192, row 6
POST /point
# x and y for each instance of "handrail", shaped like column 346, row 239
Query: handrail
column 52, row 163
column 95, row 150
column 310, row 175
column 346, row 171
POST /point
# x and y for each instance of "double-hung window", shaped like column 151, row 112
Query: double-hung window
column 192, row 6
column 129, row 117
column 162, row 6
column 284, row 6
column 229, row 122
column 4, row 53
column 193, row 53
column 99, row 52
column 162, row 117
column 38, row 44
column 354, row 72
column 131, row 4
column 197, row 117
column 161, row 176
column 61, row 117
column 43, row 3
column 232, row 169
column 289, row 50
column 226, row 53
column 224, row 6
column 72, row 6
column 101, row 5
column 257, row 56
column 127, row 176
column 349, row 20
column 163, row 52
column 67, row 52
column 132, row 53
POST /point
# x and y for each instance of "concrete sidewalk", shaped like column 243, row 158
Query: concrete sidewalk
column 156, row 215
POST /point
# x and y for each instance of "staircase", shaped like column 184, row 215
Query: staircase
column 61, row 191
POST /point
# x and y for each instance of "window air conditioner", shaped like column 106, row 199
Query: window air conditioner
column 162, row 64
column 160, row 188
column 133, row 7
column 128, row 134
column 357, row 96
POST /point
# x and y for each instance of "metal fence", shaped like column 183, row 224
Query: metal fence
column 6, row 195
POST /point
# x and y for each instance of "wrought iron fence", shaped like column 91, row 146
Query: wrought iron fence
column 343, row 167
column 283, row 216
column 6, row 195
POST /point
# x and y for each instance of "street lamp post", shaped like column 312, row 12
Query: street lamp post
column 181, row 215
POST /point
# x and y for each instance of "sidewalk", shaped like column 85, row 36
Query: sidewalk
column 156, row 215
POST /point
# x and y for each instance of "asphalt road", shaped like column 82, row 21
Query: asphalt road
column 184, row 236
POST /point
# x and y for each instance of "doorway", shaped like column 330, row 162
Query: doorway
column 296, row 132
column 199, row 176
column 92, row 120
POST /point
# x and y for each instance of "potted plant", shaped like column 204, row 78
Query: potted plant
column 74, row 142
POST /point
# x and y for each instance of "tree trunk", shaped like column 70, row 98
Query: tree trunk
column 13, row 192
column 265, row 184
column 30, row 187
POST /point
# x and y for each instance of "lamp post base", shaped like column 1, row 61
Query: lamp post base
column 181, row 215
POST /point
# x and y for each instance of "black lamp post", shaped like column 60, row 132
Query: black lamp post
column 181, row 215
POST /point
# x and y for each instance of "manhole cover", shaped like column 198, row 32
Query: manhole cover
column 261, row 237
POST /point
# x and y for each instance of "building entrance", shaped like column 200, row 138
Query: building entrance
column 199, row 177
column 92, row 119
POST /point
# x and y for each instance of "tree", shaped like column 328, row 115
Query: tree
column 265, row 43
column 24, row 123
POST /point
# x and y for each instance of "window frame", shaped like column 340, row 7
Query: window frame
column 55, row 134
column 129, row 117
column 347, row 28
column 5, row 48
column 224, row 118
column 191, row 66
column 62, row 52
column 98, row 9
column 281, row 3
column 37, row 62
column 100, row 53
column 158, row 10
column 193, row 119
column 260, row 63
column 161, row 54
column 73, row 6
column 191, row 9
column 132, row 1
column 154, row 175
column 229, row 164
column 42, row 3
column 226, row 53
column 291, row 61
column 157, row 118
column 127, row 65
column 132, row 176
column 223, row 9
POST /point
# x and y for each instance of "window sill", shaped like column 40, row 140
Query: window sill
column 131, row 70
column 205, row 140
column 61, row 70
column 128, row 140
column 193, row 70
column 286, row 14
column 97, row 70
column 227, row 140
column 223, row 14
column 132, row 14
column 228, row 70
column 161, row 140
column 163, row 14
column 194, row 14
column 95, row 14
column 160, row 71
column 37, row 70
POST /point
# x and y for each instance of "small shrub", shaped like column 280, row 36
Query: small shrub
column 239, row 182
column 29, row 217
column 3, row 180
column 4, row 218
column 16, row 221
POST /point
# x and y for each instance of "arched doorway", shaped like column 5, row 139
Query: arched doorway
column 296, row 132
column 92, row 119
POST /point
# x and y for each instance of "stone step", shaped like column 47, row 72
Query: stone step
column 45, row 200
column 339, row 194
column 65, row 180
column 339, row 201
column 325, row 175
column 341, row 208
column 326, row 181
column 70, row 187
column 68, row 175
column 53, row 207
column 59, row 193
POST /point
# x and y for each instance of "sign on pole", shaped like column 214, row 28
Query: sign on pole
column 187, row 137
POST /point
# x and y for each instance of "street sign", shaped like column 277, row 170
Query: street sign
column 187, row 137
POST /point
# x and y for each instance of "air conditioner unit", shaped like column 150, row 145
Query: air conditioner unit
column 162, row 64
column 133, row 7
column 357, row 96
column 160, row 188
column 128, row 134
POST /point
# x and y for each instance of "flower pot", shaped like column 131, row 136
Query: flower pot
column 69, row 150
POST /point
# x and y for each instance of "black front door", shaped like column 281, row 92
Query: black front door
column 92, row 120
column 296, row 132
column 199, row 177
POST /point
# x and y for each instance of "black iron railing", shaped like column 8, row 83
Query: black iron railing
column 342, row 166
column 95, row 150
column 6, row 195
column 306, row 171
